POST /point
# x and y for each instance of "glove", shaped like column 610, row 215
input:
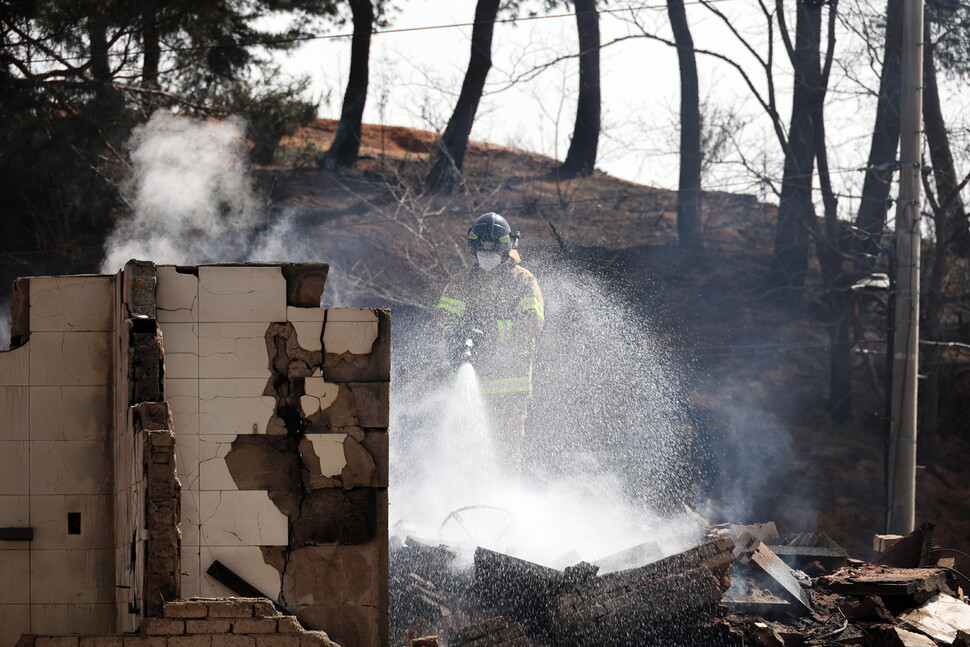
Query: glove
column 462, row 344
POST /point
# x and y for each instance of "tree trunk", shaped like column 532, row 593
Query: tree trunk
column 871, row 219
column 151, row 45
column 837, row 283
column 951, row 225
column 581, row 157
column 346, row 143
column 689, row 189
column 449, row 153
column 797, row 225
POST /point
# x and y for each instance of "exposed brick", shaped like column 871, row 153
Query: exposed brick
column 100, row 641
column 185, row 610
column 265, row 609
column 162, row 627
column 56, row 641
column 233, row 640
column 143, row 641
column 289, row 624
column 278, row 640
column 26, row 640
column 242, row 608
column 208, row 626
column 190, row 641
column 316, row 639
column 254, row 626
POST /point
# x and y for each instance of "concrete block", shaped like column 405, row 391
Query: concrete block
column 254, row 626
column 245, row 561
column 350, row 330
column 213, row 471
column 308, row 323
column 48, row 516
column 177, row 295
column 100, row 641
column 289, row 624
column 318, row 394
column 15, row 566
column 14, row 406
column 183, row 609
column 14, row 621
column 14, row 467
column 278, row 640
column 14, row 366
column 69, row 359
column 233, row 350
column 241, row 608
column 323, row 454
column 56, row 641
column 14, row 512
column 241, row 518
column 340, row 361
column 144, row 641
column 234, row 406
column 162, row 626
column 71, row 577
column 183, row 399
column 208, row 626
column 70, row 412
column 68, row 467
column 203, row 640
column 233, row 640
column 190, row 518
column 72, row 303
column 241, row 294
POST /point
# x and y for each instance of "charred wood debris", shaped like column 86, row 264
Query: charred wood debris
column 741, row 585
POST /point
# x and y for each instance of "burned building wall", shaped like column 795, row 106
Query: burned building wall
column 274, row 410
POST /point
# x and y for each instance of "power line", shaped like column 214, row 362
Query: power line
column 376, row 32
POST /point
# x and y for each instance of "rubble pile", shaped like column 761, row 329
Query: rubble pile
column 742, row 585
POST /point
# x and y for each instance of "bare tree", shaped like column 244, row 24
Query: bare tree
column 871, row 218
column 346, row 143
column 449, row 152
column 581, row 157
column 689, row 188
column 797, row 224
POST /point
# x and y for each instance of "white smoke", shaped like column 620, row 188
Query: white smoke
column 606, row 442
column 191, row 195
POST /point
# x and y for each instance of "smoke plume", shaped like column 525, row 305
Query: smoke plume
column 191, row 195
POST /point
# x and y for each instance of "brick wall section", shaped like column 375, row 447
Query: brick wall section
column 163, row 547
column 228, row 622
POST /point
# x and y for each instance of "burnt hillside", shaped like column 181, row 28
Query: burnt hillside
column 755, row 372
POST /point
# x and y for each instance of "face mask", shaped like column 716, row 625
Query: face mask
column 488, row 260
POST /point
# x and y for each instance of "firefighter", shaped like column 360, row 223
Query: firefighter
column 491, row 316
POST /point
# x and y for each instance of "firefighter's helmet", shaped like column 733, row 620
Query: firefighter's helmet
column 491, row 233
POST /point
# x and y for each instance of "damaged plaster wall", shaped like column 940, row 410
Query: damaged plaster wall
column 281, row 410
column 57, row 544
column 274, row 410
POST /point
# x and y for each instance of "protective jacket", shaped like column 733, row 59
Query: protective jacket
column 506, row 305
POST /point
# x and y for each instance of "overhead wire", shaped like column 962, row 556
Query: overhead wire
column 375, row 32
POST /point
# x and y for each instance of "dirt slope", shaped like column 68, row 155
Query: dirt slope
column 758, row 370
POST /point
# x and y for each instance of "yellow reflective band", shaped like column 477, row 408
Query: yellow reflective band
column 454, row 302
column 508, row 385
column 501, row 330
column 509, row 389
column 446, row 329
column 445, row 306
column 505, row 239
column 531, row 303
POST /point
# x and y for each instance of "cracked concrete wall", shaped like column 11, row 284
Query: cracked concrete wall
column 56, row 471
column 279, row 412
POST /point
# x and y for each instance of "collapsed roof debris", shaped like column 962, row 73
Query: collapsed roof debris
column 743, row 585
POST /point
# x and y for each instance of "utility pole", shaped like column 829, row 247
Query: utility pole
column 901, row 476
